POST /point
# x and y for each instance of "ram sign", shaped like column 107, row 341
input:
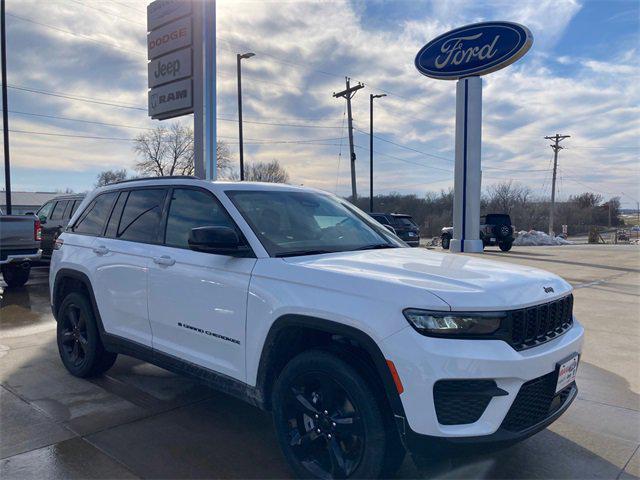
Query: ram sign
column 174, row 97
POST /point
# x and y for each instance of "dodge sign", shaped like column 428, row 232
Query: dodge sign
column 170, row 37
column 475, row 49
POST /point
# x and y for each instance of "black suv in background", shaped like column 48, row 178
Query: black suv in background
column 402, row 224
column 495, row 229
column 54, row 216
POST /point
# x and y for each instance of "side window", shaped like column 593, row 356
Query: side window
column 67, row 211
column 114, row 220
column 74, row 207
column 92, row 220
column 190, row 209
column 141, row 216
column 45, row 211
column 58, row 210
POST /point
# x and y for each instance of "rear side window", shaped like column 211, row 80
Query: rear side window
column 58, row 210
column 189, row 209
column 45, row 211
column 141, row 216
column 74, row 207
column 92, row 220
column 67, row 211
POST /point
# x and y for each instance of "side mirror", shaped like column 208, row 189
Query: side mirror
column 390, row 228
column 220, row 240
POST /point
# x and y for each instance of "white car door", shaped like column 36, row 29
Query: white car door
column 122, row 263
column 198, row 301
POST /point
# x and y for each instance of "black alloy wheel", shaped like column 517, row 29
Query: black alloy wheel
column 73, row 337
column 326, row 432
column 79, row 344
column 328, row 420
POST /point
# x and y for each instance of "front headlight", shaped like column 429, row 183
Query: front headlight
column 452, row 323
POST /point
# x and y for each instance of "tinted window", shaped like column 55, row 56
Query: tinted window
column 190, row 209
column 58, row 210
column 75, row 206
column 67, row 211
column 141, row 215
column 405, row 222
column 381, row 218
column 45, row 211
column 92, row 220
column 496, row 219
column 114, row 220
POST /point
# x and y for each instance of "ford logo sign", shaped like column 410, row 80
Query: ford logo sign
column 475, row 49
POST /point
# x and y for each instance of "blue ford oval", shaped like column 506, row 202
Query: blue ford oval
column 475, row 49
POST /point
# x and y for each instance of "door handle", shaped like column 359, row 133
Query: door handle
column 101, row 250
column 164, row 260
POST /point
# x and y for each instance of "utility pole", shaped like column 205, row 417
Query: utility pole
column 240, row 57
column 556, row 148
column 5, row 108
column 371, row 97
column 348, row 93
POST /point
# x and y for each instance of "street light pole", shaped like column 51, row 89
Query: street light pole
column 371, row 97
column 239, row 58
column 5, row 108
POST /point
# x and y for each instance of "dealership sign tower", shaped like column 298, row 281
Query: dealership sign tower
column 464, row 54
column 181, row 71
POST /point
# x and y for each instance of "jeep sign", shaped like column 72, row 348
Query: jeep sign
column 176, row 97
column 174, row 66
column 171, row 37
column 475, row 49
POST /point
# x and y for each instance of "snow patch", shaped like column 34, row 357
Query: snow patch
column 534, row 238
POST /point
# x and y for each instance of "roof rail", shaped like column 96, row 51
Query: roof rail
column 166, row 177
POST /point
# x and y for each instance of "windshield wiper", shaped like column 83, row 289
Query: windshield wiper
column 376, row 246
column 297, row 253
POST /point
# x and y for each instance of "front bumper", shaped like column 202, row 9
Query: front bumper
column 426, row 444
column 422, row 361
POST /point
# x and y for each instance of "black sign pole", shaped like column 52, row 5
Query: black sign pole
column 5, row 109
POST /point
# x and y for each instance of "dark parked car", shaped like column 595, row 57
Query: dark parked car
column 402, row 224
column 54, row 216
column 495, row 229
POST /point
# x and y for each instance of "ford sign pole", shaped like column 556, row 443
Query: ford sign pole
column 464, row 54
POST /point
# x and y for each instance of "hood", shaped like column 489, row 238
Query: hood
column 462, row 281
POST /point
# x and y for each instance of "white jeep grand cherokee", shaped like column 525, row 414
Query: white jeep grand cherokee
column 297, row 302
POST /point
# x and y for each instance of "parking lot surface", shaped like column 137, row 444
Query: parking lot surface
column 140, row 421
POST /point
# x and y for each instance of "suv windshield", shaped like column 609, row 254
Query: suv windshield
column 307, row 223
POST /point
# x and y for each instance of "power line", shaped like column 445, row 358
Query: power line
column 124, row 4
column 109, row 13
column 76, row 97
column 31, row 132
column 56, row 117
column 75, row 34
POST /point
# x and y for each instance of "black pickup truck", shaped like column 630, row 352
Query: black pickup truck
column 20, row 237
column 495, row 229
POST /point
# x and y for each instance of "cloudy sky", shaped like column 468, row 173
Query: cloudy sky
column 77, row 92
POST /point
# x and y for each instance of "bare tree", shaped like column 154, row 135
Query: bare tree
column 110, row 176
column 169, row 151
column 271, row 172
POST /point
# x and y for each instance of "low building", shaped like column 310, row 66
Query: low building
column 25, row 202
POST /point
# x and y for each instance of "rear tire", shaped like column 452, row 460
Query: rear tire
column 446, row 241
column 328, row 421
column 505, row 246
column 15, row 275
column 79, row 344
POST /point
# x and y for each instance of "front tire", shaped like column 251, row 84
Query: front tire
column 15, row 275
column 79, row 344
column 327, row 419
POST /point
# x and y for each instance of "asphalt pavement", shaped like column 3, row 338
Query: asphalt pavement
column 139, row 421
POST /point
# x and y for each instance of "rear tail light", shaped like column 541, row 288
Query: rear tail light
column 57, row 244
column 37, row 231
